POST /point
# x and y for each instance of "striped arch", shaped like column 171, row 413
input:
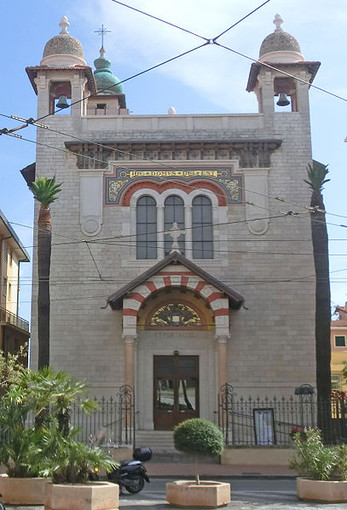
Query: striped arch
column 176, row 276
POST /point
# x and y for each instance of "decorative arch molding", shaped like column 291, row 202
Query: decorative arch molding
column 161, row 197
column 183, row 280
column 176, row 271
column 191, row 310
column 187, row 191
column 179, row 274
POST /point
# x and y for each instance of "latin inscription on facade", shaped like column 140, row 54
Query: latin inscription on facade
column 123, row 178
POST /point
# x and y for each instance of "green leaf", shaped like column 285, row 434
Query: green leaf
column 45, row 190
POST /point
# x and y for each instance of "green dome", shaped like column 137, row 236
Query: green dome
column 106, row 81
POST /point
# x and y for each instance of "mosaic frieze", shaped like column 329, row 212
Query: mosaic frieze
column 124, row 177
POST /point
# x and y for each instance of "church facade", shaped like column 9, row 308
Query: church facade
column 178, row 264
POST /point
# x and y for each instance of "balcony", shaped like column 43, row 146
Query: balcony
column 9, row 318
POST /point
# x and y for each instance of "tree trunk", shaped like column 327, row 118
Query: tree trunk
column 323, row 313
column 43, row 300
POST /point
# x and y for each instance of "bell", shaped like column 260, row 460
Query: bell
column 283, row 100
column 62, row 102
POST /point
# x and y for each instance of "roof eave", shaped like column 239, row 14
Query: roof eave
column 256, row 66
column 116, row 300
column 32, row 72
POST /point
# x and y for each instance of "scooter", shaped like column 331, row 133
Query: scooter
column 131, row 474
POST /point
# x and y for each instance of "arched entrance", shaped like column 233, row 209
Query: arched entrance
column 176, row 317
column 176, row 331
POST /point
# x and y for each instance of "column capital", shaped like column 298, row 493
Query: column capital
column 222, row 339
column 129, row 339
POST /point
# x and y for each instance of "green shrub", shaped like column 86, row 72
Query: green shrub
column 198, row 437
column 315, row 461
column 70, row 461
column 36, row 437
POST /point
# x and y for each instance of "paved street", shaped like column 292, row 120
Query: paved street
column 247, row 494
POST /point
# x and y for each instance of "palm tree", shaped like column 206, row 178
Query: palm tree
column 45, row 192
column 54, row 395
column 317, row 173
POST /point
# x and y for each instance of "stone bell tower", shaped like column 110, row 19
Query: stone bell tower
column 62, row 75
column 281, row 76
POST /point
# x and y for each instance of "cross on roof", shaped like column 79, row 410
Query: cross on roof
column 102, row 32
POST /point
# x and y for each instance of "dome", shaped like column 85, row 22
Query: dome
column 63, row 49
column 280, row 46
column 106, row 81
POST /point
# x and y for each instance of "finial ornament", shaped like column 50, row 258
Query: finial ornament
column 102, row 32
column 278, row 22
column 64, row 23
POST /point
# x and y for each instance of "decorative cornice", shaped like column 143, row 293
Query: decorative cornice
column 34, row 70
column 312, row 68
column 250, row 153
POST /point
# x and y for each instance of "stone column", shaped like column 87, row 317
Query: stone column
column 160, row 227
column 188, row 232
column 222, row 342
column 129, row 373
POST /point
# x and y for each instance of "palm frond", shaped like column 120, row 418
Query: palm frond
column 316, row 174
column 45, row 190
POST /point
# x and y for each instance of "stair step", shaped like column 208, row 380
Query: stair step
column 162, row 445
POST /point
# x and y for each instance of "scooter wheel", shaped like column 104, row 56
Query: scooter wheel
column 134, row 484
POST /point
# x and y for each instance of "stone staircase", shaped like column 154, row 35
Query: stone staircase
column 160, row 442
column 162, row 446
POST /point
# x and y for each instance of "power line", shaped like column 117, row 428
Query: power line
column 208, row 42
column 161, row 20
column 264, row 64
column 240, row 20
column 160, row 164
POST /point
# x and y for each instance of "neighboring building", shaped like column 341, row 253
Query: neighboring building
column 177, row 263
column 339, row 346
column 14, row 331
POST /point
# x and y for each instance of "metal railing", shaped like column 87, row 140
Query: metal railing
column 272, row 422
column 112, row 423
column 13, row 319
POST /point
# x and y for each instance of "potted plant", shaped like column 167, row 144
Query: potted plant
column 322, row 469
column 20, row 444
column 66, row 460
column 198, row 437
column 34, row 415
column 70, row 463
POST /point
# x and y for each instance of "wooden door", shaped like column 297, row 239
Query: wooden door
column 176, row 390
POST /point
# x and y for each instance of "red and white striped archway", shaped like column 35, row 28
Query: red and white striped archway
column 175, row 271
column 176, row 276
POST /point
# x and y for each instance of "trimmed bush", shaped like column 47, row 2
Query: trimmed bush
column 198, row 437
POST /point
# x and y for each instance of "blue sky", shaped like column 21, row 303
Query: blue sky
column 210, row 80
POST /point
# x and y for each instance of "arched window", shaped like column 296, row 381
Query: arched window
column 173, row 214
column 146, row 228
column 202, row 228
column 177, row 315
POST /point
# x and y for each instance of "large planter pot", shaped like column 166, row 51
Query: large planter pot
column 208, row 494
column 321, row 491
column 91, row 496
column 23, row 491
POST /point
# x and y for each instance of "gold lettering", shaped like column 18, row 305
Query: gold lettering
column 172, row 173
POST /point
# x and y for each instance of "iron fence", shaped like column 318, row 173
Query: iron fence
column 112, row 424
column 272, row 422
